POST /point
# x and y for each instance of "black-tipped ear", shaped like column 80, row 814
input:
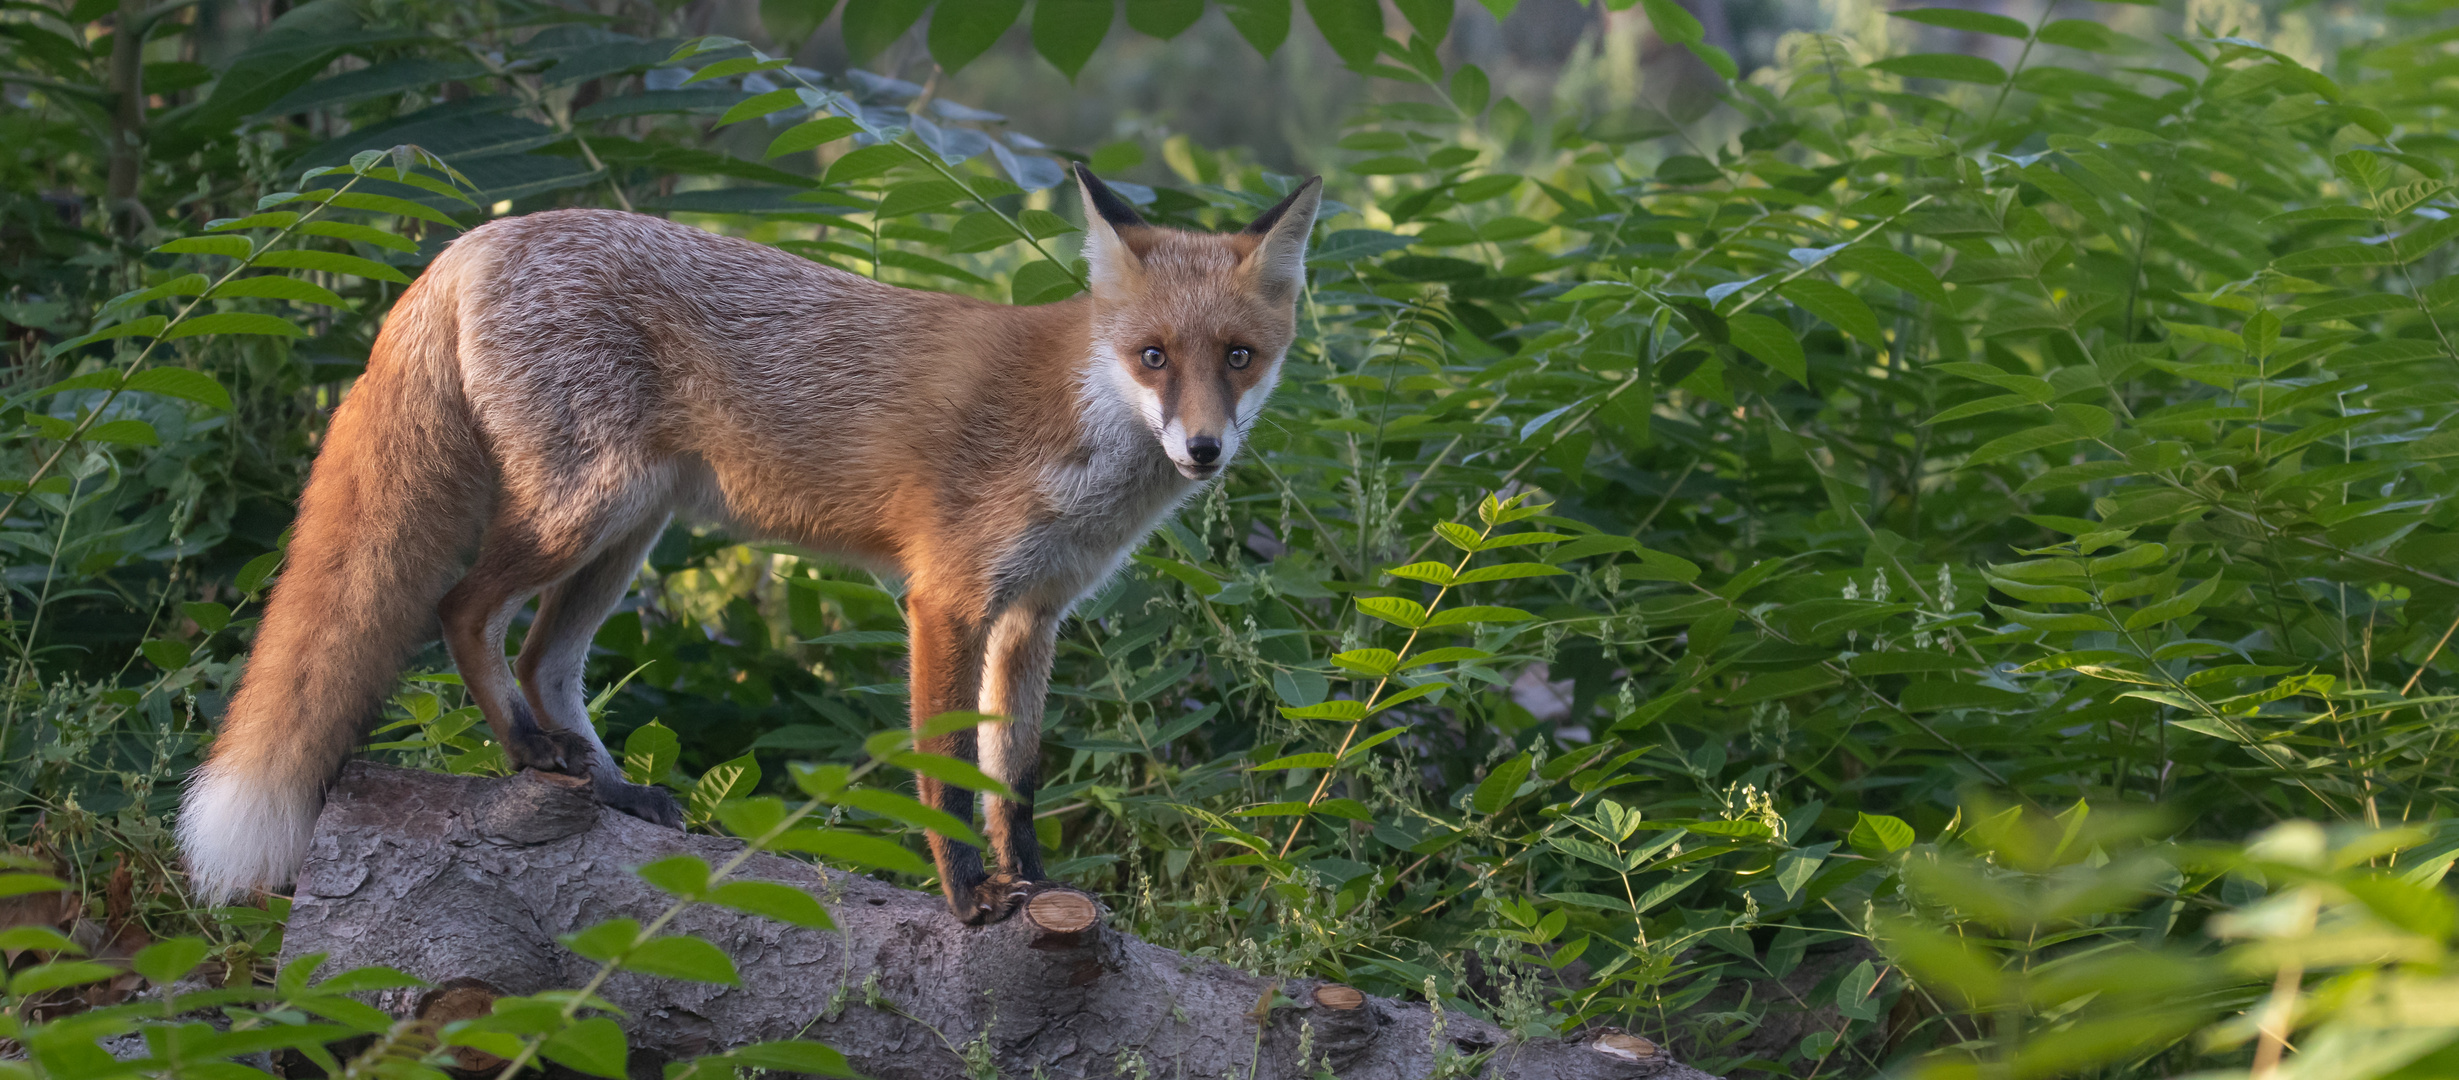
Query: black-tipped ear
column 1264, row 224
column 1117, row 211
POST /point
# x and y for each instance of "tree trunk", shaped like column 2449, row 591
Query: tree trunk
column 125, row 156
column 465, row 882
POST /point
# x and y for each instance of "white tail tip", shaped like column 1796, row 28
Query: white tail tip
column 243, row 833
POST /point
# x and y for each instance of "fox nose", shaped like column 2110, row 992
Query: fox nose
column 1204, row 449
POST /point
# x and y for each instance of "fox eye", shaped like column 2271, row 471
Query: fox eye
column 1240, row 357
column 1153, row 358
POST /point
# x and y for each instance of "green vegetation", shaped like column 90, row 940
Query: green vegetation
column 1949, row 560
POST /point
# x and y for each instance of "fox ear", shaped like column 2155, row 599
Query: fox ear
column 1280, row 261
column 1113, row 263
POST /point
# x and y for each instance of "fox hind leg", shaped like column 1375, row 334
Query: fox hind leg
column 517, row 560
column 555, row 654
column 476, row 615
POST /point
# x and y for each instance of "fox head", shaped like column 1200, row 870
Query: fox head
column 1190, row 328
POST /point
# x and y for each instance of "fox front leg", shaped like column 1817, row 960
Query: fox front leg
column 944, row 675
column 1015, row 680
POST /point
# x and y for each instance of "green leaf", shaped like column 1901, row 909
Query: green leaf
column 332, row 263
column 1299, row 761
column 962, row 31
column 1978, row 22
column 386, row 204
column 1328, row 710
column 39, row 937
column 1672, row 23
column 1407, row 614
column 740, row 65
column 686, row 876
column 2175, row 607
column 1772, row 342
column 252, row 576
column 183, row 285
column 604, row 941
column 1506, row 572
column 1043, row 282
column 24, row 884
column 1067, row 32
column 919, row 197
column 1880, row 834
column 1433, row 573
column 124, row 433
column 234, row 322
column 1500, row 786
column 2335, row 256
column 869, row 161
column 146, row 327
column 1164, row 19
column 1839, row 307
column 784, row 903
column 811, row 133
column 865, row 852
column 1470, row 87
column 364, row 234
column 759, row 105
column 58, row 973
column 723, row 782
column 1368, row 661
column 1950, row 67
column 895, row 807
column 2023, row 442
column 2085, row 35
column 1461, row 616
column 1264, row 23
column 230, row 247
column 650, row 753
column 277, row 287
column 1424, row 689
column 594, row 1046
column 1893, row 267
column 950, row 770
column 276, row 219
column 1354, row 28
column 682, row 957
column 871, row 25
column 790, row 22
column 181, row 383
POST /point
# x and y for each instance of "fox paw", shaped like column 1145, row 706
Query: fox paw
column 530, row 745
column 654, row 805
column 992, row 901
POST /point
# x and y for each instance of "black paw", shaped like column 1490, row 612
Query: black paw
column 655, row 805
column 991, row 901
column 530, row 746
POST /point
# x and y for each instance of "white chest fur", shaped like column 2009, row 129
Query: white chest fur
column 1099, row 504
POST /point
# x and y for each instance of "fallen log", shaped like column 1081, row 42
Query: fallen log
column 466, row 881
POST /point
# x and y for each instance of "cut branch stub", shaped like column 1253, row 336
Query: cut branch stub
column 460, row 999
column 1345, row 1023
column 1064, row 918
column 1626, row 1047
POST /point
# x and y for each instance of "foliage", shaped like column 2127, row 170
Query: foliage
column 1866, row 560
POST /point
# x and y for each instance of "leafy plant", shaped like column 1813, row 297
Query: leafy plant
column 1916, row 444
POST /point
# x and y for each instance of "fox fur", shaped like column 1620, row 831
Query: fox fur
column 556, row 386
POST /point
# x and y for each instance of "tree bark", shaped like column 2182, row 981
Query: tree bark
column 465, row 882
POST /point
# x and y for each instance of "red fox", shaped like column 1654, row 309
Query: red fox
column 556, row 386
